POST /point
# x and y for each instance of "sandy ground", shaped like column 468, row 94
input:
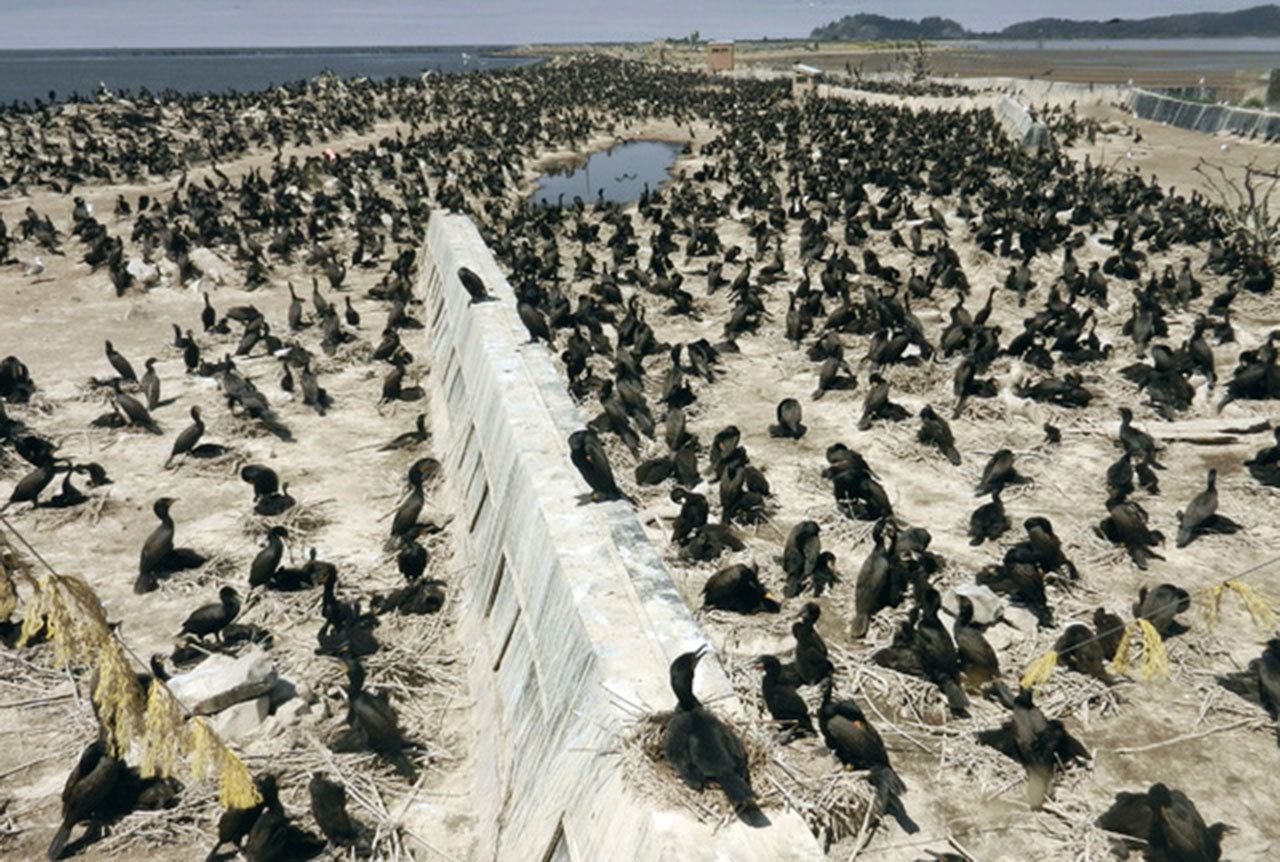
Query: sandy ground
column 345, row 487
column 1235, row 75
column 959, row 790
column 1144, row 68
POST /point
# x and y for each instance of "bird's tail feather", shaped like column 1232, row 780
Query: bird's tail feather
column 956, row 699
column 738, row 789
column 59, row 842
column 403, row 766
column 889, row 788
column 1039, row 777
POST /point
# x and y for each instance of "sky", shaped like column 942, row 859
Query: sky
column 234, row 23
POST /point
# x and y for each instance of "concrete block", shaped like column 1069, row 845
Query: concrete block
column 222, row 681
column 294, row 712
column 571, row 608
column 215, row 269
column 237, row 722
column 144, row 274
column 1020, row 618
column 987, row 606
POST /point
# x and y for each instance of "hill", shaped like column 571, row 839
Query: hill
column 873, row 28
column 1254, row 21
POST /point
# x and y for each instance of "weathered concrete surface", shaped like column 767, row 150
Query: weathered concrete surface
column 1021, row 127
column 1201, row 117
column 569, row 614
column 917, row 103
column 1014, row 118
column 222, row 681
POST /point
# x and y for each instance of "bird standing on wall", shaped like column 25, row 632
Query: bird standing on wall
column 474, row 286
column 593, row 464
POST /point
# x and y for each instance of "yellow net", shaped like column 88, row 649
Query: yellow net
column 74, row 621
column 1153, row 660
column 1260, row 607
column 1039, row 671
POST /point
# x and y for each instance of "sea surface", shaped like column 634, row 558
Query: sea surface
column 621, row 173
column 28, row 75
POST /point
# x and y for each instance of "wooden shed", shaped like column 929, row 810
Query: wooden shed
column 719, row 57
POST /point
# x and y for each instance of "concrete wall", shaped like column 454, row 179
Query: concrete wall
column 1021, row 127
column 1014, row 118
column 566, row 607
column 929, row 103
column 1040, row 91
column 1201, row 117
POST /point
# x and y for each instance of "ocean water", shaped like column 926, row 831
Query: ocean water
column 28, row 75
column 621, row 173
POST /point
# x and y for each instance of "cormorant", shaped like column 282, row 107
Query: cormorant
column 738, row 589
column 211, row 619
column 782, row 700
column 699, row 746
column 473, row 285
column 409, row 438
column 593, row 465
column 812, row 662
column 87, row 792
column 934, row 431
column 120, row 364
column 978, row 662
column 374, row 722
column 857, row 745
column 789, row 424
column 188, row 437
column 267, row 561
column 1037, row 742
column 329, row 809
column 159, row 556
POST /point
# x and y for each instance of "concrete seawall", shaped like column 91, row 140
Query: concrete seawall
column 1208, row 118
column 1021, row 127
column 567, row 609
column 1014, row 118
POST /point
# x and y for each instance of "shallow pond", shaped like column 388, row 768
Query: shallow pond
column 621, row 172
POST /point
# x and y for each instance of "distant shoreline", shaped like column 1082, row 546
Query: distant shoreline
column 494, row 50
column 544, row 48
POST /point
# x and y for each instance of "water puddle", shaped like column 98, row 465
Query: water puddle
column 621, row 173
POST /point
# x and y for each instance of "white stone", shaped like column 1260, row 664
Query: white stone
column 215, row 269
column 242, row 719
column 144, row 274
column 987, row 606
column 222, row 681
column 293, row 712
column 1020, row 618
column 270, row 727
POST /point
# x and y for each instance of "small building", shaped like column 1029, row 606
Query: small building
column 805, row 80
column 719, row 57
